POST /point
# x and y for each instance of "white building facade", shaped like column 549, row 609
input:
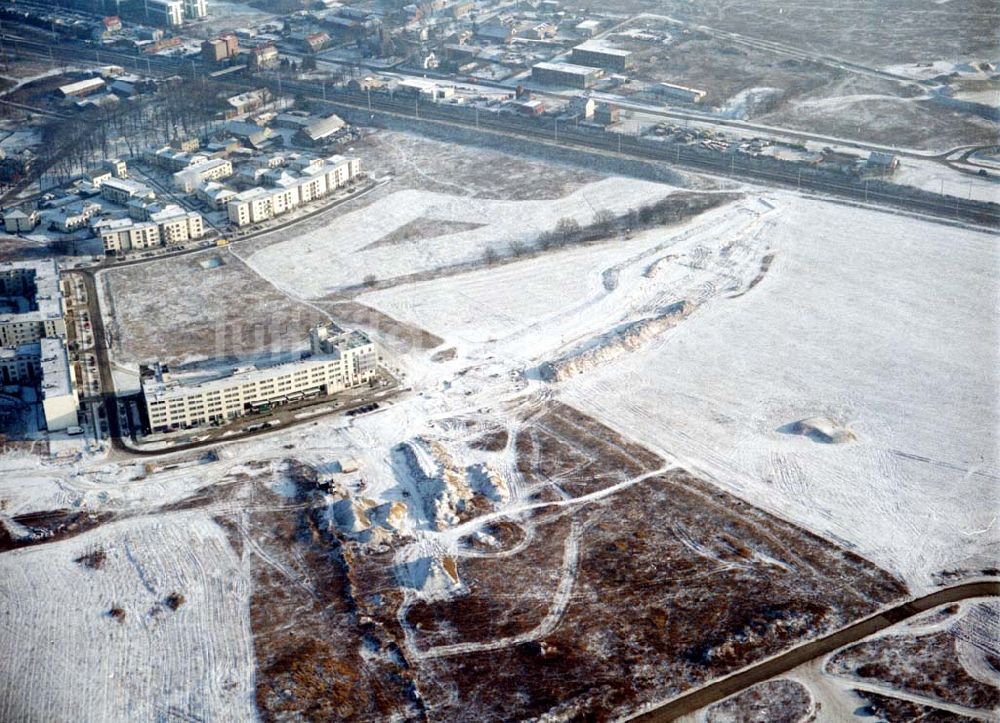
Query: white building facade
column 315, row 179
column 32, row 342
column 340, row 360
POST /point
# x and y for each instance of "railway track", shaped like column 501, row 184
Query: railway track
column 725, row 165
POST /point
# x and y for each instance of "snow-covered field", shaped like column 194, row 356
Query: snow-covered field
column 939, row 178
column 883, row 323
column 66, row 658
column 881, row 327
column 525, row 311
column 340, row 255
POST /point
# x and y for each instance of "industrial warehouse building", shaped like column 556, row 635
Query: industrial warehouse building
column 680, row 92
column 339, row 360
column 600, row 56
column 565, row 74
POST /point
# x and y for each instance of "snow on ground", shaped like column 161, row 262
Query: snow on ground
column 320, row 262
column 927, row 71
column 882, row 322
column 939, row 178
column 524, row 311
column 63, row 653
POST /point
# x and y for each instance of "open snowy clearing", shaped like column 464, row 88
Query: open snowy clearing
column 881, row 324
column 939, row 178
column 525, row 311
column 340, row 255
column 885, row 323
column 65, row 655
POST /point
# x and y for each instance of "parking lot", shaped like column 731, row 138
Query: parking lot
column 80, row 336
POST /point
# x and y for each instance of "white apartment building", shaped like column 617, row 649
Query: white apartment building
column 20, row 364
column 177, row 225
column 75, row 216
column 188, row 179
column 195, row 9
column 215, row 194
column 317, row 178
column 36, row 285
column 32, row 337
column 59, row 399
column 117, row 167
column 175, row 160
column 18, row 221
column 251, row 206
column 126, row 235
column 123, row 190
column 340, row 360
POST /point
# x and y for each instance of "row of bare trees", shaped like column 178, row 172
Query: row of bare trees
column 71, row 145
column 606, row 223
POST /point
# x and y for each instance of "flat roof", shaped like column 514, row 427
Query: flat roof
column 595, row 47
column 48, row 294
column 128, row 185
column 567, row 68
column 674, row 86
column 32, row 349
column 332, row 346
column 56, row 379
column 157, row 391
column 81, row 85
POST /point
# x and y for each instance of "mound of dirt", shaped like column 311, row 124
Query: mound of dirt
column 612, row 344
column 820, row 429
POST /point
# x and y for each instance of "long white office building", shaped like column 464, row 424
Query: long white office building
column 313, row 179
column 340, row 360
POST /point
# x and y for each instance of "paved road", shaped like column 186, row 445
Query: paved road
column 107, row 397
column 765, row 670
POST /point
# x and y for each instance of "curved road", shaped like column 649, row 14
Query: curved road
column 766, row 669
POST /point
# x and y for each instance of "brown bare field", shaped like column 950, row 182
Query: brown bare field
column 489, row 611
column 923, row 665
column 616, row 603
column 506, row 533
column 197, row 313
column 677, row 584
column 491, row 441
column 776, row 701
column 316, row 659
column 896, row 709
column 50, row 526
column 577, row 454
column 673, row 583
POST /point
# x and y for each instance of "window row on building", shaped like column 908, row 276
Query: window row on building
column 169, row 226
column 314, row 181
column 342, row 361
